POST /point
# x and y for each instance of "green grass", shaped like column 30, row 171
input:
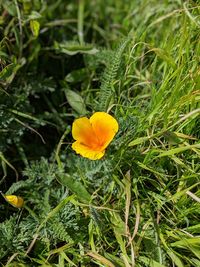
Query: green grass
column 140, row 204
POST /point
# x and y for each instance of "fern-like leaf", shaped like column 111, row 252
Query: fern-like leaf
column 58, row 230
column 107, row 91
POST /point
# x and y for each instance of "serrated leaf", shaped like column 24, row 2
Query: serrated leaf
column 76, row 101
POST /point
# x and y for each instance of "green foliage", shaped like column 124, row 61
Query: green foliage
column 139, row 204
column 41, row 194
column 107, row 93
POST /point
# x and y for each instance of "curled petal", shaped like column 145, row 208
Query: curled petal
column 15, row 201
column 86, row 151
column 105, row 127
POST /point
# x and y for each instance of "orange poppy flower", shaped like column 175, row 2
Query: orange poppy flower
column 93, row 135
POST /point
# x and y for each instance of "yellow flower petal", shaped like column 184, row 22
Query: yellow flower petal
column 15, row 201
column 93, row 135
column 86, row 151
column 83, row 132
column 104, row 126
